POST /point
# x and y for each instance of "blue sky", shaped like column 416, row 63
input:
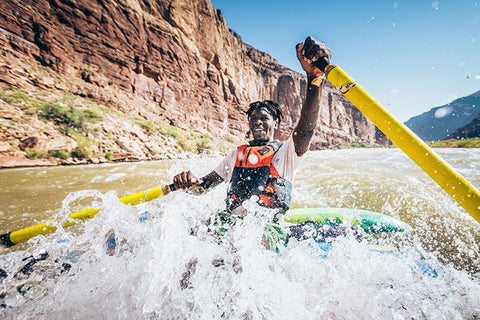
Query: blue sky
column 410, row 55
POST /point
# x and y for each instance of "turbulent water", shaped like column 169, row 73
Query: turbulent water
column 158, row 270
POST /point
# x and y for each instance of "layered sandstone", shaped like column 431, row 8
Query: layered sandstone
column 171, row 63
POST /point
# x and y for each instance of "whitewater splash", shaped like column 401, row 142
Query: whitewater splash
column 167, row 265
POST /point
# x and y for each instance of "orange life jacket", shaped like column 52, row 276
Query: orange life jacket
column 254, row 174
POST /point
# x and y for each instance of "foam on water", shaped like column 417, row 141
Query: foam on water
column 160, row 271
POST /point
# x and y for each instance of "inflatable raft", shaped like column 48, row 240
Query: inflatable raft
column 369, row 221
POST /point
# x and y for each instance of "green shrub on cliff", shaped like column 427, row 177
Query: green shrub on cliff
column 34, row 154
column 15, row 95
column 169, row 130
column 145, row 124
column 69, row 115
column 229, row 139
column 62, row 154
column 80, row 153
column 108, row 155
column 71, row 110
column 203, row 144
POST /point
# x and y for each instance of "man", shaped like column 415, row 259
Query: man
column 265, row 168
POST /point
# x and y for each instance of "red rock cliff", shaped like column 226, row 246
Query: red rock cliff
column 155, row 65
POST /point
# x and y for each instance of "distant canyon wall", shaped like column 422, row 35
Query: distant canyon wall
column 174, row 63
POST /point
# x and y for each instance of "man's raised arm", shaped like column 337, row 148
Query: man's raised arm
column 307, row 52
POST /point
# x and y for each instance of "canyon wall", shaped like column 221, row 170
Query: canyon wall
column 145, row 79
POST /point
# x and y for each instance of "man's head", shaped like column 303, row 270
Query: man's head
column 263, row 118
column 271, row 106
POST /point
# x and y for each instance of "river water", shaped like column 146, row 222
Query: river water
column 159, row 271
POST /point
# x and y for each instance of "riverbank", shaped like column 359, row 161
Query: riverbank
column 455, row 143
column 451, row 143
column 8, row 161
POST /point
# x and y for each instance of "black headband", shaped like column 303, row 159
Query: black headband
column 271, row 106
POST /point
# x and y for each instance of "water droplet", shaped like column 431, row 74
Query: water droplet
column 442, row 112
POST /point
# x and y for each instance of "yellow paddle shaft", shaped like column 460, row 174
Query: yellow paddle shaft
column 45, row 228
column 440, row 171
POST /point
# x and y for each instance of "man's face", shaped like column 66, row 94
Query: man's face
column 262, row 125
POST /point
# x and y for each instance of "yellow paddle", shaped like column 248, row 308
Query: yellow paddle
column 12, row 238
column 440, row 171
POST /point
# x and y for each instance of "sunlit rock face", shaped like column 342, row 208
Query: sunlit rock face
column 173, row 61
